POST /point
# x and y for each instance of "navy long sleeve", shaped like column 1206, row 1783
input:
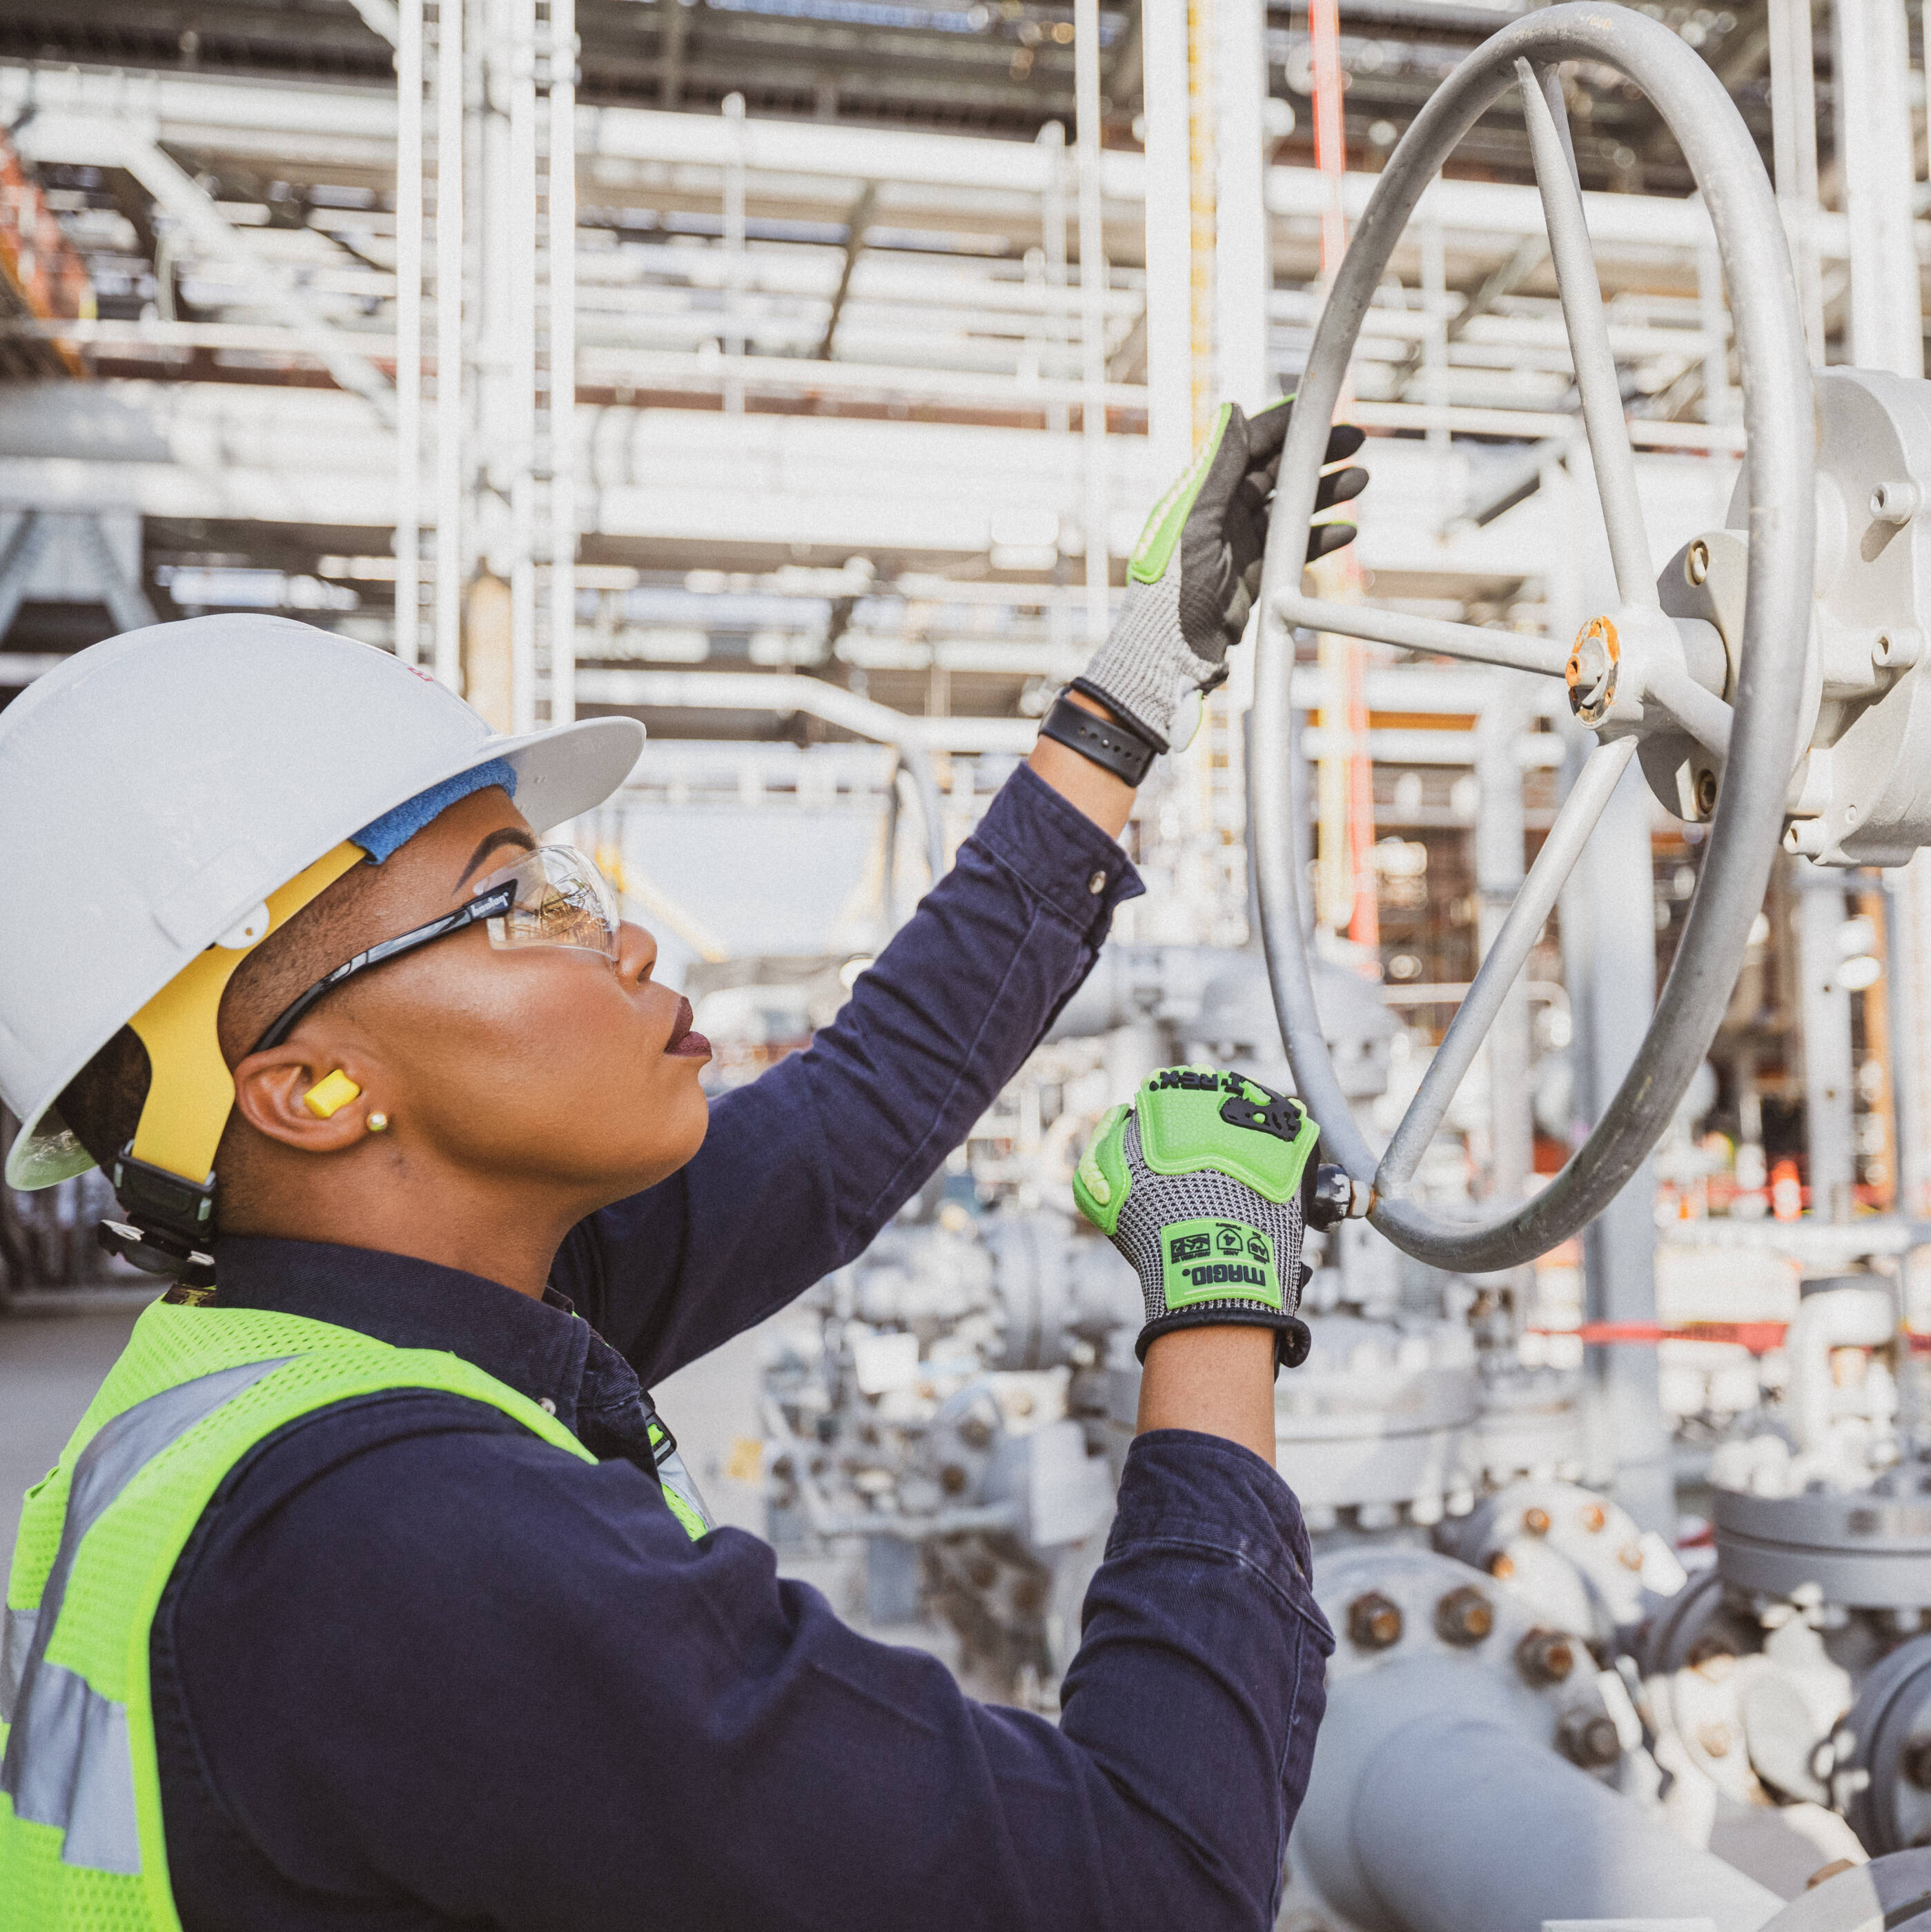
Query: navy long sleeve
column 417, row 1669
column 801, row 1169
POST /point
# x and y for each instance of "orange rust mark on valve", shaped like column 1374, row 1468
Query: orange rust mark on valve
column 1591, row 672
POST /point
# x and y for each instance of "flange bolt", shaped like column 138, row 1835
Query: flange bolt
column 1895, row 503
column 1545, row 1657
column 1588, row 1739
column 1464, row 1616
column 1898, row 648
column 1374, row 1622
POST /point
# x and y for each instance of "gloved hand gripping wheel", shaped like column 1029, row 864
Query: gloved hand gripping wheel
column 1633, row 673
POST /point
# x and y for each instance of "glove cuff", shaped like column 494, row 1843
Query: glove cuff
column 1144, row 667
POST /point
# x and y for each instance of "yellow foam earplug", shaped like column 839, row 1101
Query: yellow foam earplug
column 330, row 1094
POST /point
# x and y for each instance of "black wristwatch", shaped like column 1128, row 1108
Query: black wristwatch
column 1111, row 743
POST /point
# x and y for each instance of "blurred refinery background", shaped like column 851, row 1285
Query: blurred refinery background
column 795, row 375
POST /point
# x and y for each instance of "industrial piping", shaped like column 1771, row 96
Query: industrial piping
column 1454, row 1822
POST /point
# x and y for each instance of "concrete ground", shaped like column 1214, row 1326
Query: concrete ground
column 50, row 1365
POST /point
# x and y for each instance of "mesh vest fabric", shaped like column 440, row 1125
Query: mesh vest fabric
column 259, row 1371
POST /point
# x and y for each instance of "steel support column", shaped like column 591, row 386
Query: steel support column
column 121, row 591
column 1168, row 238
column 1097, row 509
column 1609, row 941
column 1829, row 1077
column 1500, row 831
column 1243, row 252
column 1877, row 167
column 1876, row 162
column 19, row 555
column 1793, row 136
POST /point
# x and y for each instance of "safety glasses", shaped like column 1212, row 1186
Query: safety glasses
column 554, row 896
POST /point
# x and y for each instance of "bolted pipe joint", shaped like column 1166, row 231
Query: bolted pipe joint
column 1374, row 1622
column 1588, row 1738
column 1545, row 1657
column 1465, row 1617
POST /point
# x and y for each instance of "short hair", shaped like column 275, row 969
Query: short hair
column 102, row 1103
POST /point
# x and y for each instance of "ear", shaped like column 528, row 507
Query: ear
column 271, row 1088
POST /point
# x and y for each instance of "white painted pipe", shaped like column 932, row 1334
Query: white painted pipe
column 785, row 693
column 350, row 122
column 1453, row 1822
column 1838, row 1318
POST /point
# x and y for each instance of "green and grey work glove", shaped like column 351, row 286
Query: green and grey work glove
column 1203, row 1183
column 1196, row 571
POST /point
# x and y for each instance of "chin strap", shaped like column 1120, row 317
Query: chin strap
column 165, row 1175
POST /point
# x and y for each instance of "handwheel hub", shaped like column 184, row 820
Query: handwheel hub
column 1590, row 674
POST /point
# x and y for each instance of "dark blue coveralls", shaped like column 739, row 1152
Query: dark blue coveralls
column 417, row 1670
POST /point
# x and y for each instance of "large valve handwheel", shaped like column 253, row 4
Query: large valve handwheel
column 1633, row 672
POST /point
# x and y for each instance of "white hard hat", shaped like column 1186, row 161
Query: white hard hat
column 155, row 788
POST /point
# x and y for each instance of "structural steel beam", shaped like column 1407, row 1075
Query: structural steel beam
column 380, row 16
column 1503, row 280
column 127, row 602
column 272, row 119
column 18, row 556
column 856, row 223
column 785, row 696
column 81, row 140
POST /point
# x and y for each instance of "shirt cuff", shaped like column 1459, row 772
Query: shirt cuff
column 1180, row 1486
column 1057, row 852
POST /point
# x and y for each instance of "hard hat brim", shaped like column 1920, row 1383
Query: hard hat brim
column 560, row 773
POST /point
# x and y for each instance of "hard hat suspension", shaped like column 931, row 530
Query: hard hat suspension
column 165, row 1175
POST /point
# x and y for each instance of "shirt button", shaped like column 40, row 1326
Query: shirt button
column 548, row 1407
column 1097, row 884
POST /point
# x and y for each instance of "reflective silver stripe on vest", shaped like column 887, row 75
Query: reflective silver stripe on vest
column 16, row 1638
column 67, row 1762
column 76, row 1772
column 677, row 1477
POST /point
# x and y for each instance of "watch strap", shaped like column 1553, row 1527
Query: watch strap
column 1114, row 746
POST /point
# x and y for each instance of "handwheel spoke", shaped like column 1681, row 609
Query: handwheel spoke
column 1509, row 649
column 1701, row 713
column 1520, row 930
column 1595, row 378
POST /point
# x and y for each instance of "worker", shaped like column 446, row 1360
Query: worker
column 372, row 1590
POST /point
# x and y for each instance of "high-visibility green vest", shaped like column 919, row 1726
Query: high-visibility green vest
column 81, row 1847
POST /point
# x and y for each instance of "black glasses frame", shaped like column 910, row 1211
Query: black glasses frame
column 495, row 904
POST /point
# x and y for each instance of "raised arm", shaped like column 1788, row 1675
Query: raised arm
column 802, row 1168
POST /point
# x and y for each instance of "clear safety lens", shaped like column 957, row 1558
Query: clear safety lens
column 562, row 899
